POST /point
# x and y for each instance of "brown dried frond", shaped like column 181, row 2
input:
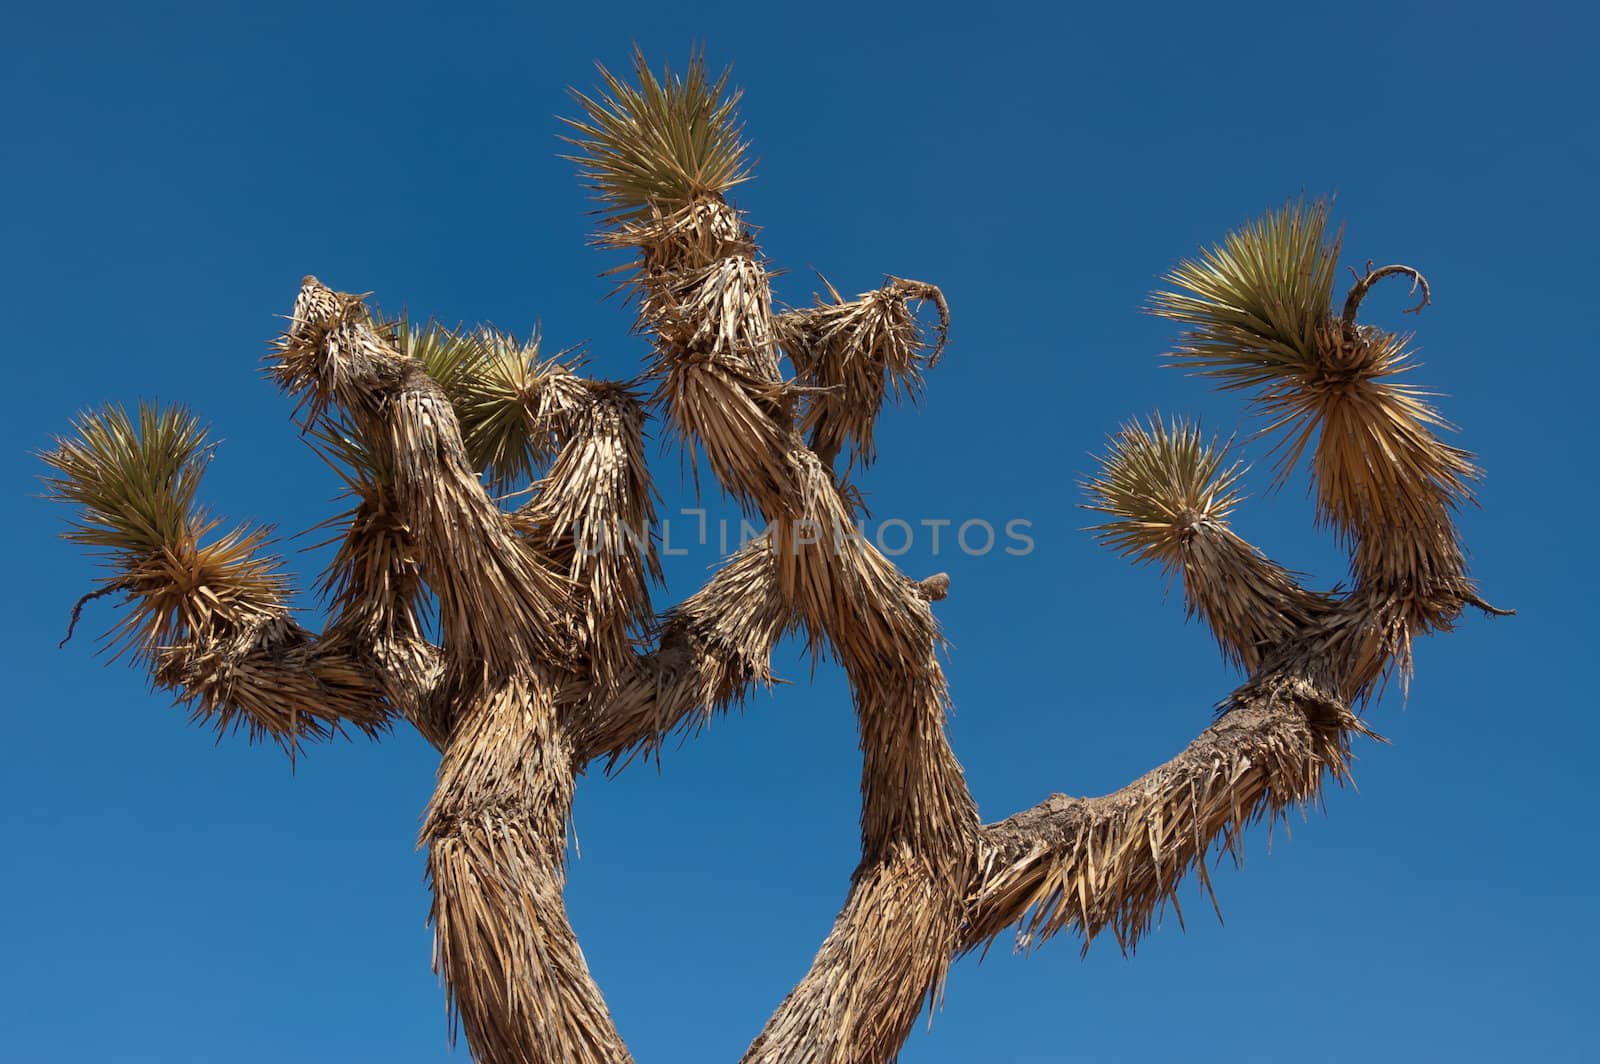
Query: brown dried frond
column 274, row 679
column 704, row 295
column 720, row 312
column 671, row 245
column 501, row 603
column 1376, row 458
column 376, row 571
column 596, row 509
column 720, row 412
column 306, row 359
column 852, row 355
column 1382, row 475
column 851, row 597
column 374, row 586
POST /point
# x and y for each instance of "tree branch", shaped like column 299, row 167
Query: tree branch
column 1095, row 863
column 714, row 648
column 852, row 356
column 496, row 833
column 704, row 295
column 501, row 604
column 594, row 514
column 1364, row 283
column 206, row 611
column 1169, row 493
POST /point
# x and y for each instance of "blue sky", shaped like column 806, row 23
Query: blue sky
column 171, row 173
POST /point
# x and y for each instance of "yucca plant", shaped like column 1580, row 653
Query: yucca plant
column 501, row 501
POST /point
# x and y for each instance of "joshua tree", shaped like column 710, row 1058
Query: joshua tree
column 492, row 583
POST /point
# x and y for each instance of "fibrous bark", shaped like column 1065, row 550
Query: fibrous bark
column 549, row 656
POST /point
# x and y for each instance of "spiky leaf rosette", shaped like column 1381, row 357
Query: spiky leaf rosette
column 1255, row 306
column 135, row 481
column 655, row 147
column 1169, row 492
column 208, row 612
column 1258, row 316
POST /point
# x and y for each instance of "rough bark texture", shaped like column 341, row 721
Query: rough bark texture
column 537, row 672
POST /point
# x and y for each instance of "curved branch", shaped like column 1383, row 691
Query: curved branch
column 1364, row 283
column 1095, row 863
column 275, row 678
column 501, row 605
column 922, row 290
column 714, row 648
column 1251, row 603
column 1169, row 493
column 206, row 613
column 111, row 588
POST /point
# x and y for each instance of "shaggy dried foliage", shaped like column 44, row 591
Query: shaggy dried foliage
column 596, row 510
column 854, row 354
column 374, row 589
column 1095, row 863
column 496, row 839
column 715, row 647
column 550, row 656
column 501, row 602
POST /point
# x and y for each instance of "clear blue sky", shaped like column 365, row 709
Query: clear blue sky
column 169, row 176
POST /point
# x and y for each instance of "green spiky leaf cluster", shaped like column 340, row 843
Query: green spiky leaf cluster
column 1158, row 482
column 134, row 480
column 1254, row 308
column 662, row 144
